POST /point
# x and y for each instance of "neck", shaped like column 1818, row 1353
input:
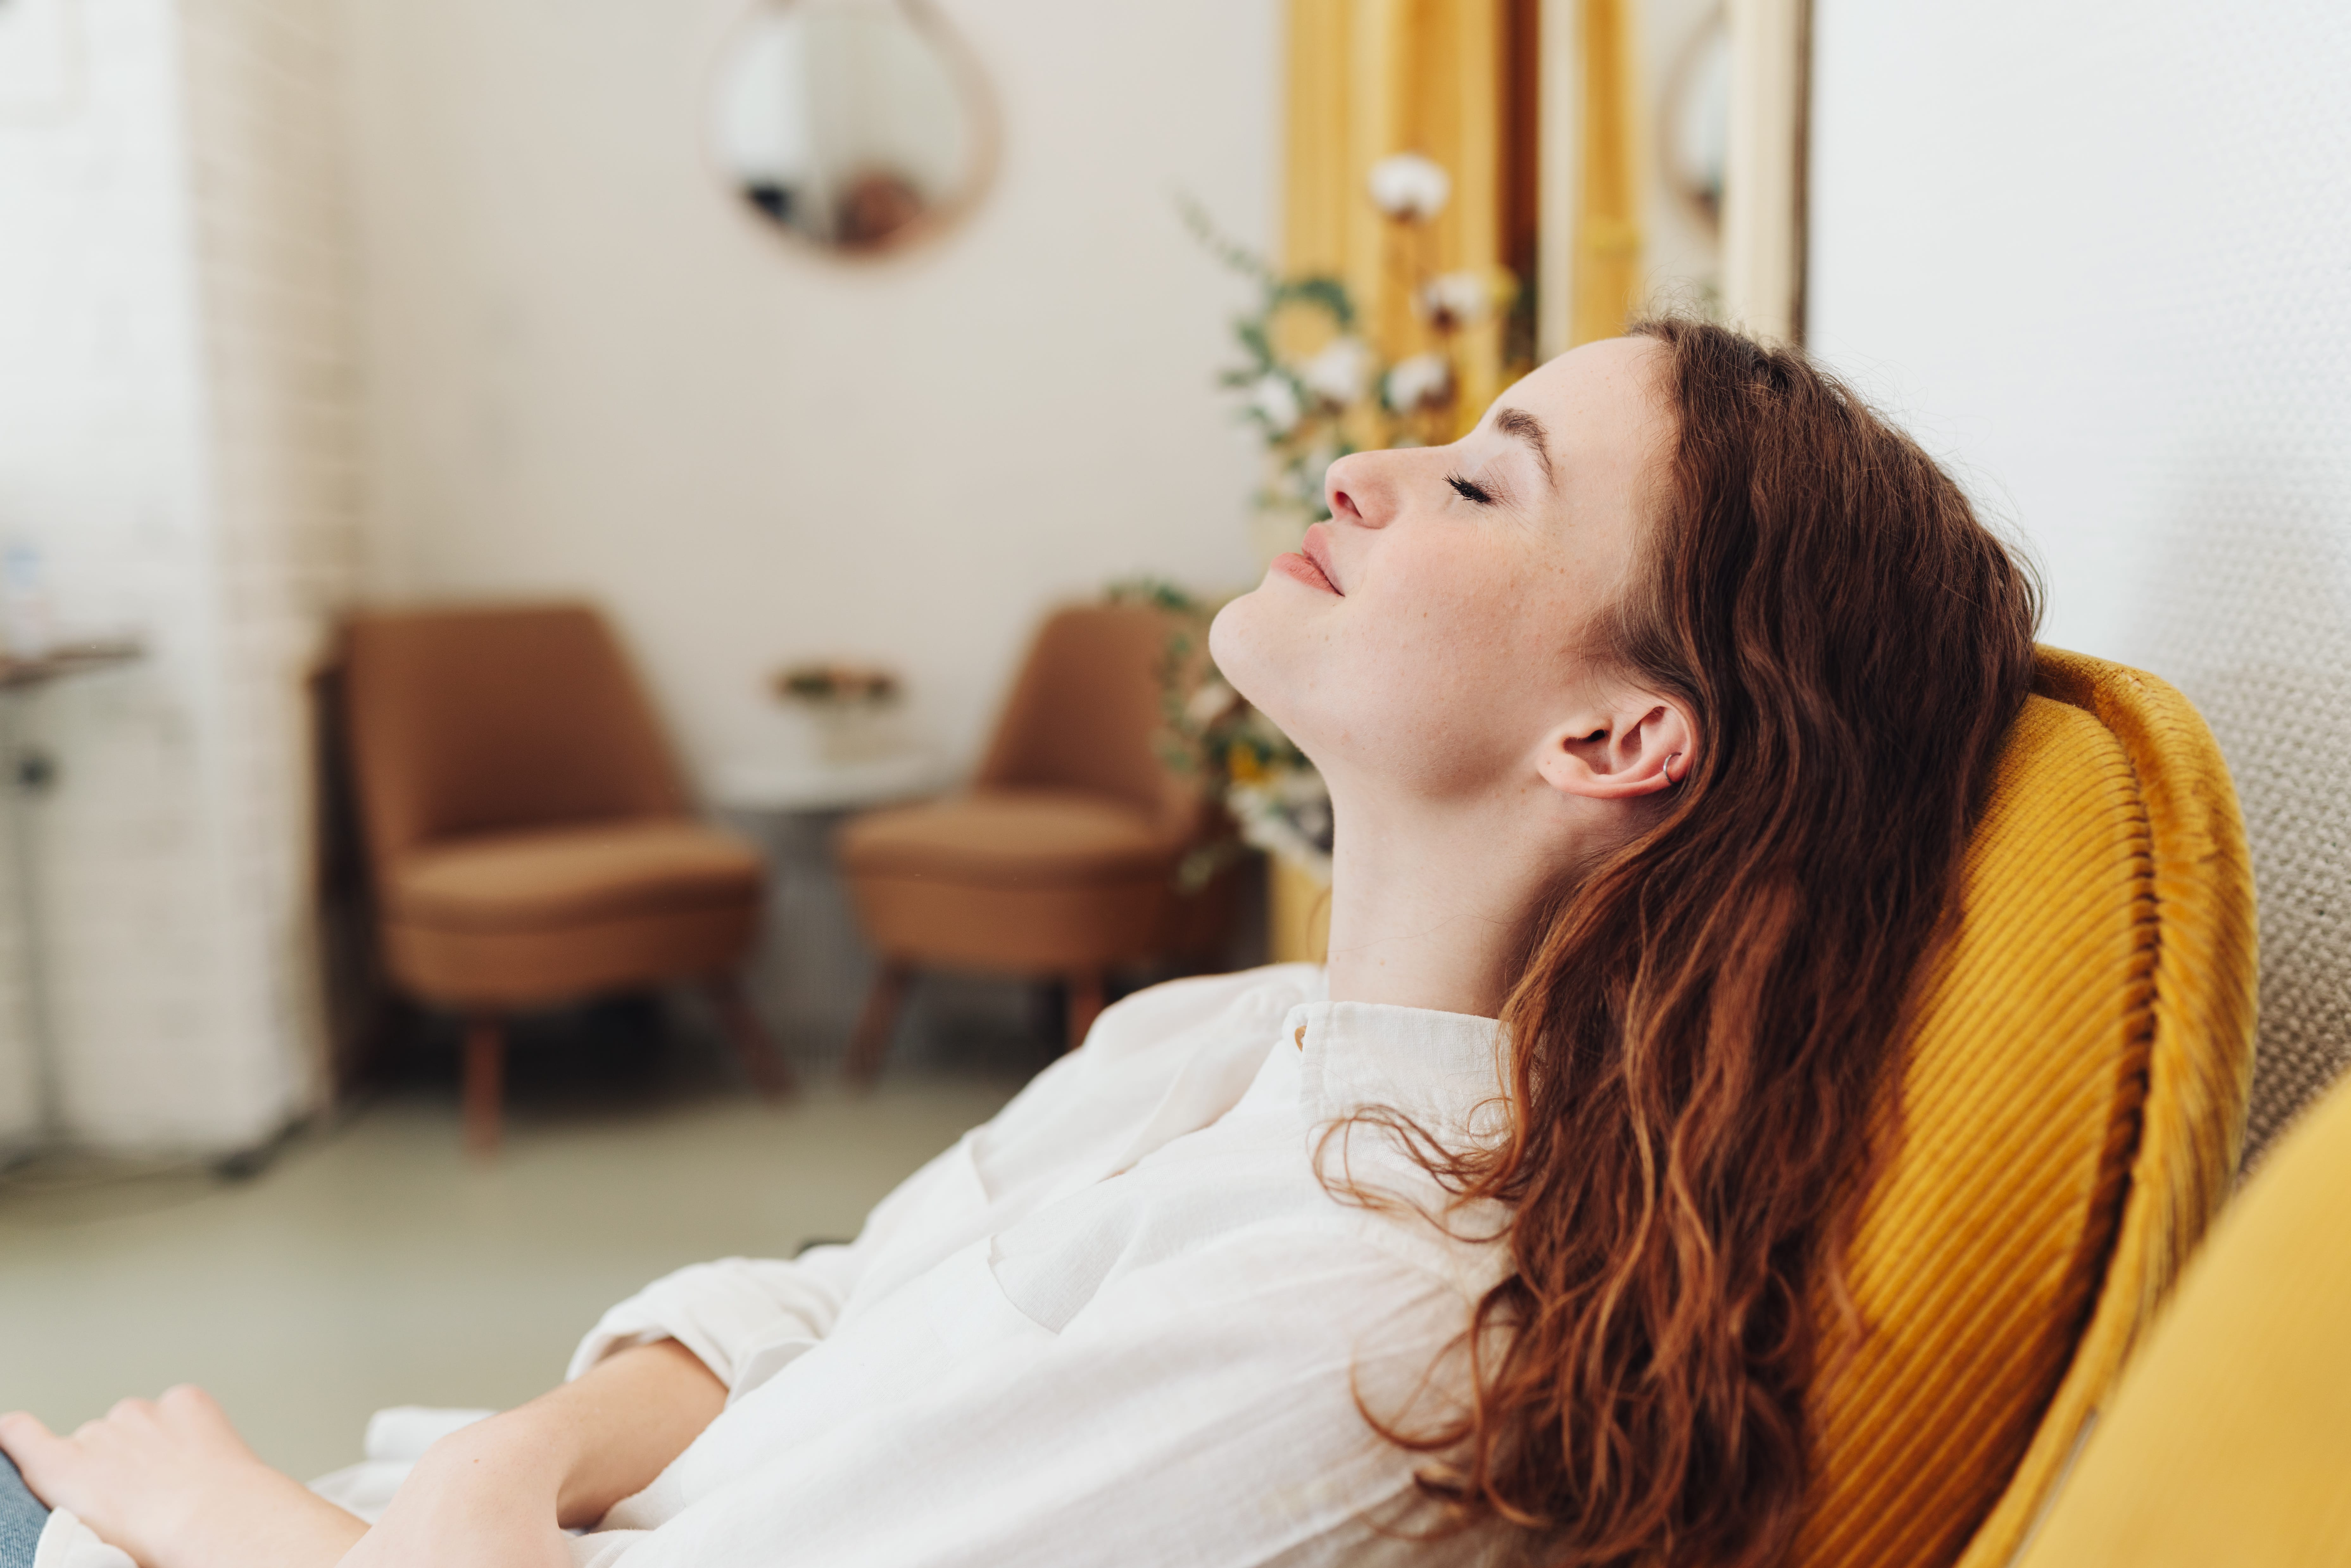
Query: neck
column 1427, row 908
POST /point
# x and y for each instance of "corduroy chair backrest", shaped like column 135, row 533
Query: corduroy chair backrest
column 1085, row 713
column 486, row 719
column 2069, row 1121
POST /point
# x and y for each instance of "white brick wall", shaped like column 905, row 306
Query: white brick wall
column 175, row 399
column 272, row 227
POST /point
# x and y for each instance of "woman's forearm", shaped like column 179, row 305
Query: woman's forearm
column 596, row 1440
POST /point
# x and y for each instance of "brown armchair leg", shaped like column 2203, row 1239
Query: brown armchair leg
column 1085, row 1005
column 872, row 1041
column 770, row 1070
column 485, row 1071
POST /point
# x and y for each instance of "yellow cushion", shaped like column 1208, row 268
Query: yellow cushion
column 2067, row 1120
column 2229, row 1440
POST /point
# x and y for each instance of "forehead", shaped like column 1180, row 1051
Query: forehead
column 1605, row 396
column 1608, row 428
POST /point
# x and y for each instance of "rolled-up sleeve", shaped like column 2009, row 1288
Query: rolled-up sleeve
column 747, row 1317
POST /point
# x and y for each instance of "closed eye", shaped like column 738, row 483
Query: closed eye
column 1469, row 491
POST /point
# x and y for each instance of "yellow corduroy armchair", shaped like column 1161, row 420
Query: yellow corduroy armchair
column 2069, row 1123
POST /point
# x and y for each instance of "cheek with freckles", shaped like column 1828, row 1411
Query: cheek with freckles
column 1451, row 665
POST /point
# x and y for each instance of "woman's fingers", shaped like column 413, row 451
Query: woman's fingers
column 189, row 1411
column 22, row 1434
column 187, row 1399
column 33, row 1448
column 183, row 1410
column 184, row 1418
column 22, row 1426
column 169, row 1481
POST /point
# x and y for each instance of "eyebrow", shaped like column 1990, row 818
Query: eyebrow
column 1518, row 422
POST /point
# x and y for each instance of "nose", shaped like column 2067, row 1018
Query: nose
column 1357, row 489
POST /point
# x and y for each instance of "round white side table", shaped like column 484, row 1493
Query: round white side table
column 796, row 784
column 813, row 967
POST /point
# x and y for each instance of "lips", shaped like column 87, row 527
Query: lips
column 1292, row 564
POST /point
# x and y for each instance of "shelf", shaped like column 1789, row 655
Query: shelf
column 69, row 659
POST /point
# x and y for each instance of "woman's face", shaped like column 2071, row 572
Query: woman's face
column 1437, row 629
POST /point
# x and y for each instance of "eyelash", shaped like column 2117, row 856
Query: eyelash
column 1468, row 491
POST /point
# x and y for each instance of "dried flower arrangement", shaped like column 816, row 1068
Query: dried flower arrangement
column 851, row 707
column 838, row 685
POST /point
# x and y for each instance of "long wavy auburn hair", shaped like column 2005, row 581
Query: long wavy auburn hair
column 1708, row 1020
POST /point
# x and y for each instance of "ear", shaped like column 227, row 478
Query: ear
column 1644, row 745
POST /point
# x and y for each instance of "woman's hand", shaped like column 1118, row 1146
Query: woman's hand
column 483, row 1497
column 497, row 1494
column 170, row 1482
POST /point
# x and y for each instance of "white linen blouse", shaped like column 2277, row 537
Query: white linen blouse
column 1122, row 1324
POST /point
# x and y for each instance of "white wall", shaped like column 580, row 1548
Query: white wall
column 592, row 370
column 163, row 422
column 2100, row 255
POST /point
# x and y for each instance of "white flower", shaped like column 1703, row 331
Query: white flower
column 1409, row 187
column 1457, row 299
column 1288, row 815
column 1211, row 703
column 1339, row 372
column 1424, row 380
column 1276, row 401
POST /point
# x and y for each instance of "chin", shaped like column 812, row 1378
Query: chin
column 1282, row 667
column 1246, row 640
column 1229, row 643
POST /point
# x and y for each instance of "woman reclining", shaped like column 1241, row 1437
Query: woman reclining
column 1654, row 713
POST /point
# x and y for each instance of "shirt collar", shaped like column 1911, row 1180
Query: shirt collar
column 1443, row 1071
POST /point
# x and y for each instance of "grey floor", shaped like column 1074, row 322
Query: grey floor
column 370, row 1264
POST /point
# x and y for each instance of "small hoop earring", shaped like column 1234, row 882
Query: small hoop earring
column 1671, row 760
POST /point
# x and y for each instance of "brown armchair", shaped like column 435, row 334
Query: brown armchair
column 1060, row 861
column 529, row 835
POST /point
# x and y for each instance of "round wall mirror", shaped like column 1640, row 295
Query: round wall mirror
column 858, row 125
